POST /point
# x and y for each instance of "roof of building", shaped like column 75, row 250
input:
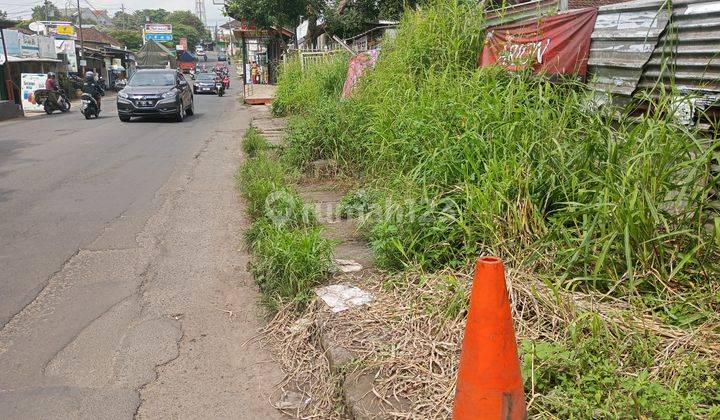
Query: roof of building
column 98, row 36
column 231, row 24
column 579, row 4
column 95, row 12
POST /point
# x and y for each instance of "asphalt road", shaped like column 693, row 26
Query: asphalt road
column 123, row 291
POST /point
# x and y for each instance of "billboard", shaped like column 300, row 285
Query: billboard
column 158, row 28
column 67, row 30
column 67, row 47
column 29, row 46
column 29, row 83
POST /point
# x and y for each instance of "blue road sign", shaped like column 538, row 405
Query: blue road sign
column 159, row 37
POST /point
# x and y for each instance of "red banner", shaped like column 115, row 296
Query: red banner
column 557, row 44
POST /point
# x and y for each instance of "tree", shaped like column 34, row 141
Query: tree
column 184, row 19
column 184, row 31
column 347, row 18
column 132, row 39
column 46, row 11
column 155, row 15
column 126, row 21
column 275, row 14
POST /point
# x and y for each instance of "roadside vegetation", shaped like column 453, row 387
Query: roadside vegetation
column 610, row 221
column 290, row 255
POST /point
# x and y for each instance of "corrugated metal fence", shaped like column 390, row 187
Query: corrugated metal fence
column 687, row 56
column 649, row 43
column 622, row 43
column 655, row 46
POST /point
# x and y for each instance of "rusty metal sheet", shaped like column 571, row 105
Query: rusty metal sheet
column 687, row 56
column 623, row 41
column 518, row 12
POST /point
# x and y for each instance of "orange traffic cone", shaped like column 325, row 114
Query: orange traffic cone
column 489, row 383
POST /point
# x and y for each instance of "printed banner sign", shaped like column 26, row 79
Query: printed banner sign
column 67, row 47
column 46, row 47
column 29, row 47
column 67, row 30
column 557, row 44
column 29, row 83
column 358, row 65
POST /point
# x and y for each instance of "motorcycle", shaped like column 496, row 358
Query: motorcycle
column 226, row 82
column 220, row 86
column 89, row 106
column 52, row 100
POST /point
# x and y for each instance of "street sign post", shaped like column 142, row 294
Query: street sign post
column 161, row 32
column 159, row 37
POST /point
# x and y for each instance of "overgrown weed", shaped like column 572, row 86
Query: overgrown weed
column 290, row 255
column 521, row 167
column 254, row 143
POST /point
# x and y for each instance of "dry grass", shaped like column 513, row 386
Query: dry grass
column 410, row 338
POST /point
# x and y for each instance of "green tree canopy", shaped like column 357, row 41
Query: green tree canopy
column 277, row 13
column 184, row 31
column 347, row 18
column 122, row 20
column 183, row 20
column 132, row 39
column 155, row 16
column 46, row 11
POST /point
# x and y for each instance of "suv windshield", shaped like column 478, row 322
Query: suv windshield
column 152, row 79
column 205, row 77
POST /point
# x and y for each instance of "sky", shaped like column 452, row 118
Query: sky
column 18, row 9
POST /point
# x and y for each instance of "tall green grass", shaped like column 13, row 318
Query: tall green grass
column 254, row 143
column 301, row 89
column 511, row 164
column 290, row 255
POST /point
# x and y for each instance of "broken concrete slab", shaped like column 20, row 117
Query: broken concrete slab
column 341, row 297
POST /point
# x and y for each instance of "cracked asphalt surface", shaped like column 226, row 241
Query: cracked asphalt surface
column 123, row 283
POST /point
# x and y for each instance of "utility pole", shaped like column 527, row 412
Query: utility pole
column 200, row 11
column 122, row 8
column 47, row 15
column 82, row 41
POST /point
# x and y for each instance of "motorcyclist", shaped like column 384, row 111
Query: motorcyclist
column 92, row 87
column 51, row 82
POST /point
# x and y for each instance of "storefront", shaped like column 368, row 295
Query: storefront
column 262, row 49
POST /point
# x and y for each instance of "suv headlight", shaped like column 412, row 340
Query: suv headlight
column 169, row 95
column 122, row 95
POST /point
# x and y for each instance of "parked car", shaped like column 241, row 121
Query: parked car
column 222, row 57
column 156, row 93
